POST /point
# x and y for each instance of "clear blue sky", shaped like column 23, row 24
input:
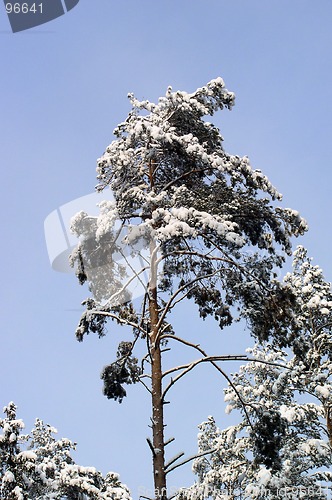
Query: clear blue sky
column 63, row 90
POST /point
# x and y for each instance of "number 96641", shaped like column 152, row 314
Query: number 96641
column 24, row 8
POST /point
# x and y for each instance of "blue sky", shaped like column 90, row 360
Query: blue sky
column 63, row 90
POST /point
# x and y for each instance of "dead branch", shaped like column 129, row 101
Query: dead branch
column 193, row 457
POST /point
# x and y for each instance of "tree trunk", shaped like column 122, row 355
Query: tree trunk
column 158, row 441
column 159, row 475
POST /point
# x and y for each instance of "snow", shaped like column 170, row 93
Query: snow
column 229, row 409
column 27, row 455
column 106, row 220
column 276, row 389
column 47, row 465
column 6, row 427
column 264, row 476
column 189, row 221
column 324, row 390
column 160, row 173
column 8, row 477
column 316, row 444
column 18, row 492
column 314, row 301
column 288, row 413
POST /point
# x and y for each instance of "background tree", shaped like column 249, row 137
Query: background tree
column 37, row 466
column 212, row 234
column 282, row 445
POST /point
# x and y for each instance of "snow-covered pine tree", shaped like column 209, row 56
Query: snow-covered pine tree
column 211, row 225
column 282, row 445
column 37, row 466
column 310, row 331
column 278, row 450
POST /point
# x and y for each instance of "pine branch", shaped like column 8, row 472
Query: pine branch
column 186, row 174
column 144, row 385
column 136, row 274
column 175, row 294
column 125, row 286
column 151, row 446
column 174, row 459
column 196, row 254
column 119, row 320
column 217, row 368
column 193, row 457
column 242, row 269
column 228, row 357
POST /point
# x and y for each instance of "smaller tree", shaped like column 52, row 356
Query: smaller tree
column 283, row 442
column 38, row 466
column 278, row 449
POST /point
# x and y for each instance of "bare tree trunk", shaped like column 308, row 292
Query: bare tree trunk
column 159, row 475
column 158, row 427
column 158, row 441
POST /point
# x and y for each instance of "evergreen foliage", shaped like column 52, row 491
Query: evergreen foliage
column 39, row 467
column 217, row 231
column 282, row 445
column 207, row 227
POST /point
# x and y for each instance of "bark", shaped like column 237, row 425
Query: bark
column 157, row 400
column 328, row 416
column 158, row 440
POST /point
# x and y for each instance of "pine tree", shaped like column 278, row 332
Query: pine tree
column 38, row 466
column 211, row 230
column 282, row 445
